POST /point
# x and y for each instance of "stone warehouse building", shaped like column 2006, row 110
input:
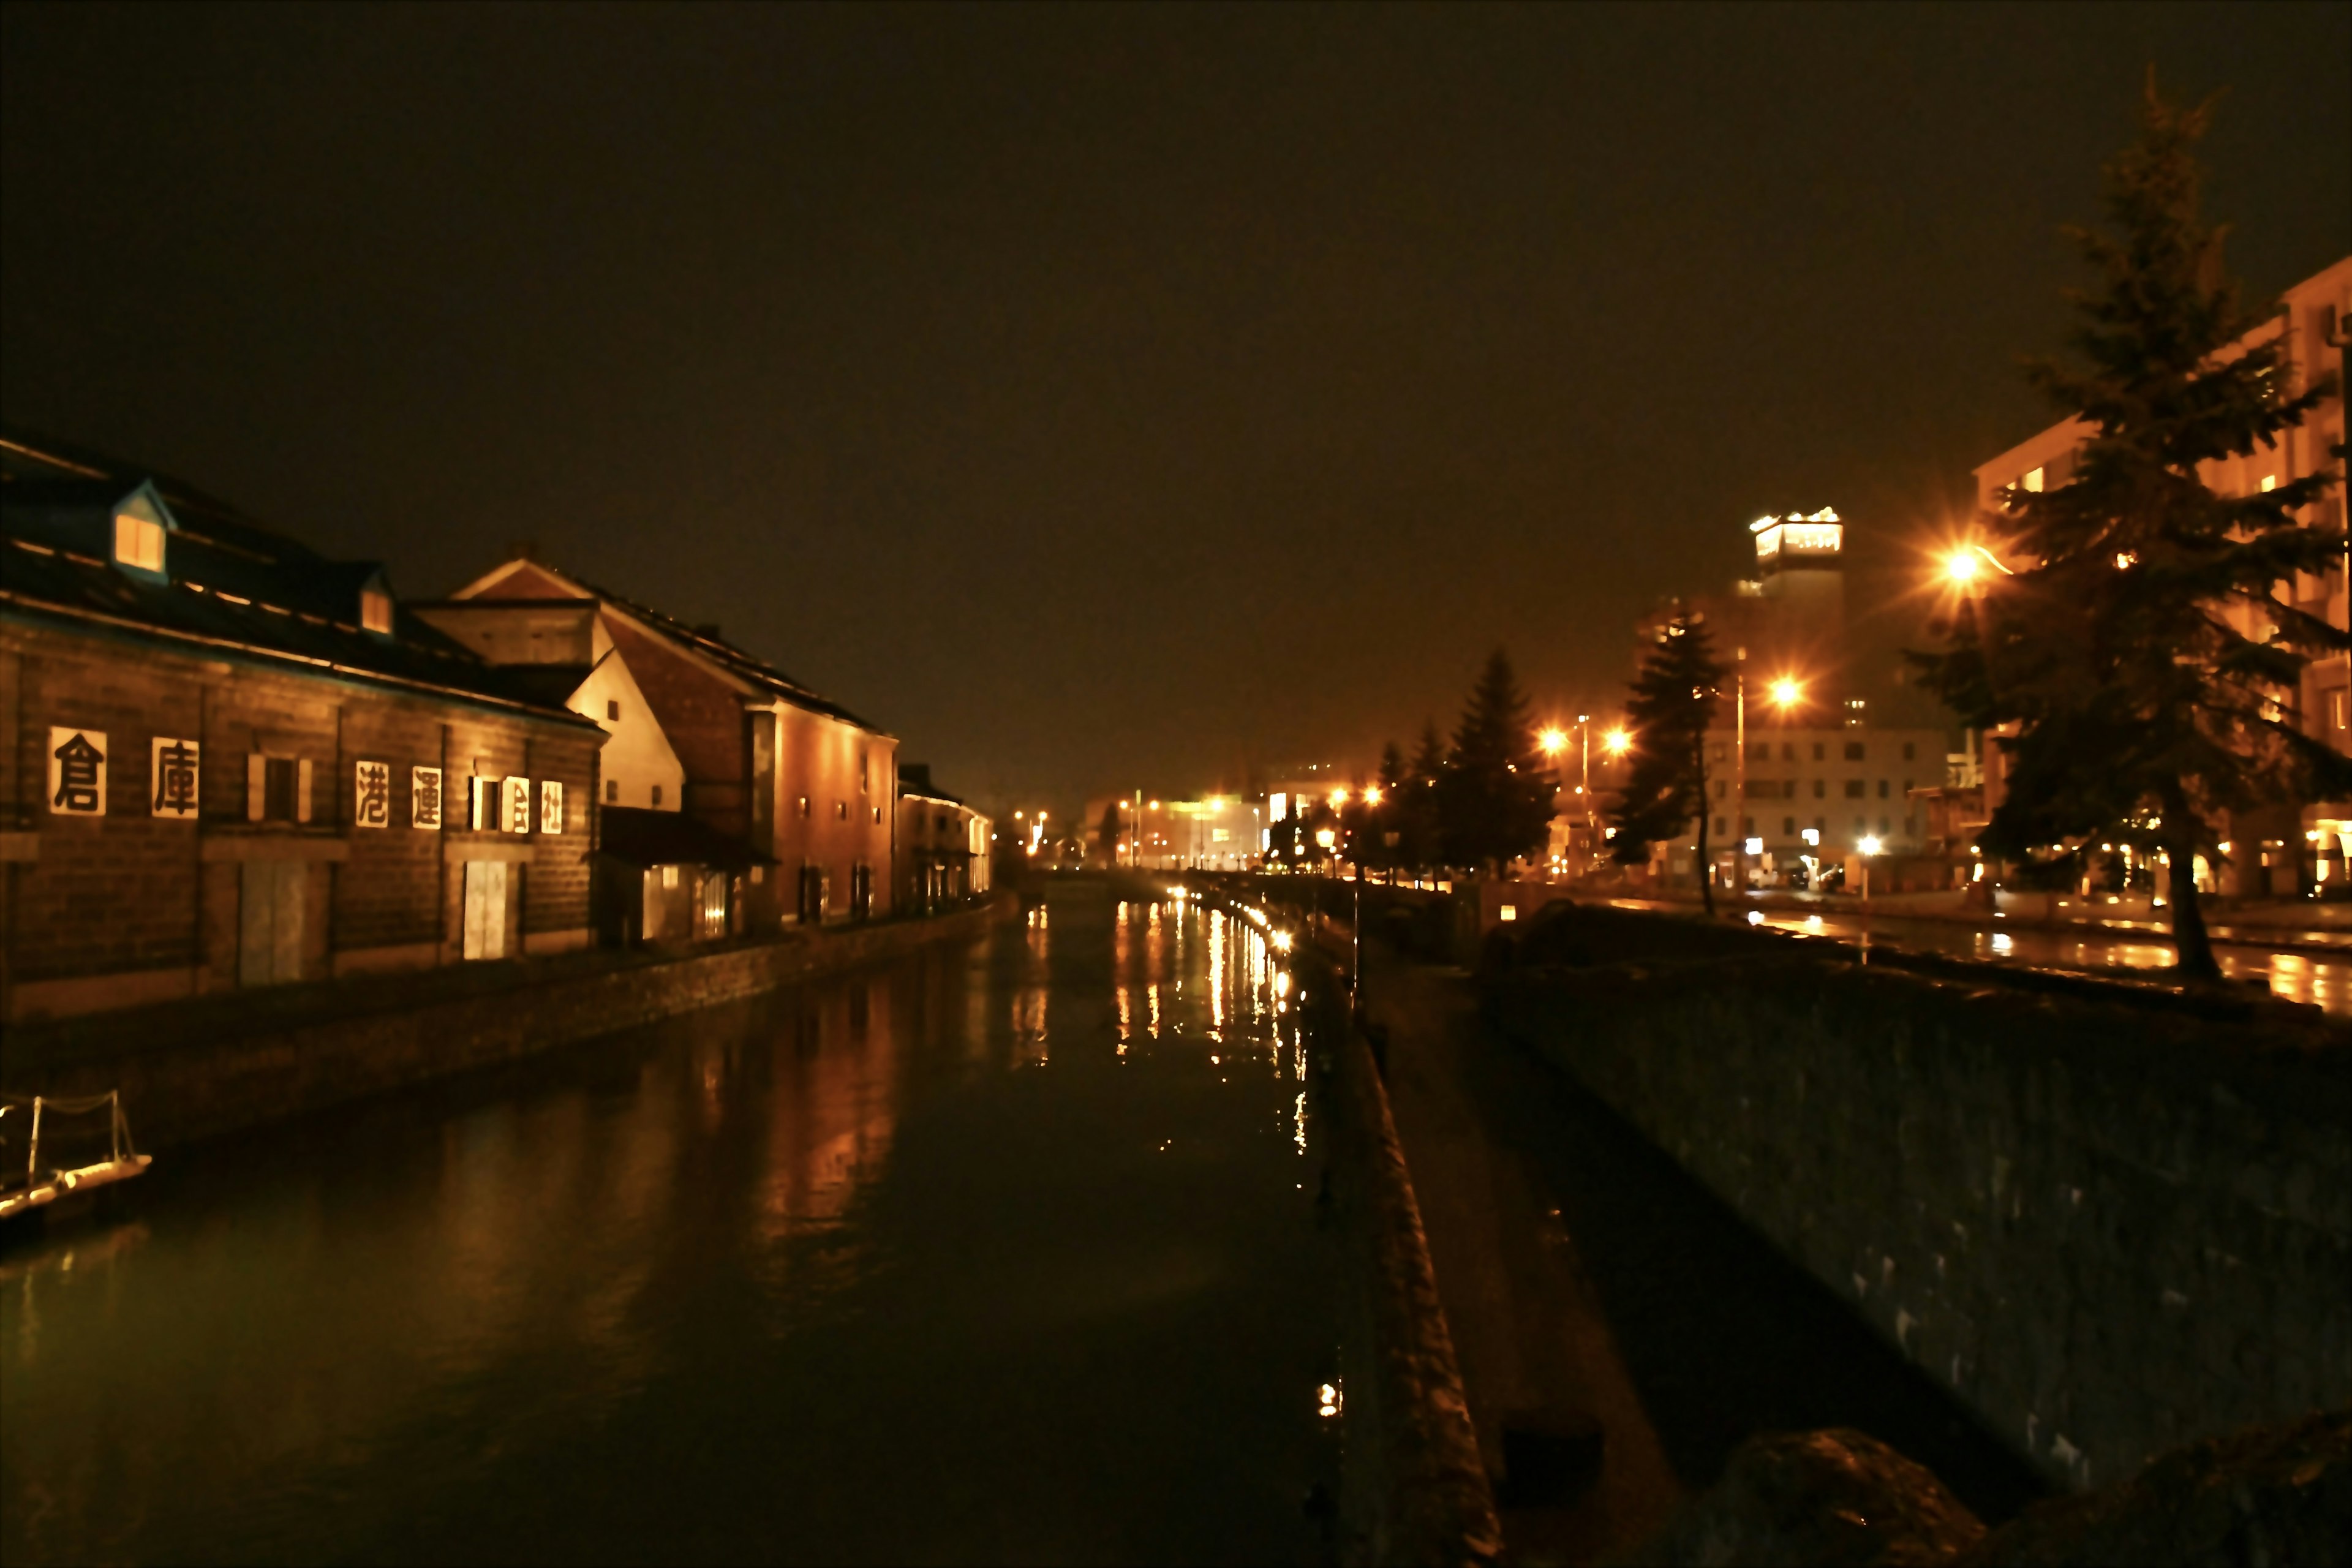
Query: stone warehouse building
column 737, row 801
column 226, row 761
column 943, row 845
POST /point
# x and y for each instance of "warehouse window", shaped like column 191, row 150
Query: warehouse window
column 138, row 542
column 375, row 610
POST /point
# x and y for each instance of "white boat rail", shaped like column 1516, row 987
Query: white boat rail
column 39, row 1190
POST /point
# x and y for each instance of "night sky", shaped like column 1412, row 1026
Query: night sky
column 1098, row 398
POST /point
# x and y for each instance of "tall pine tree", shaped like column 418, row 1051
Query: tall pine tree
column 1495, row 796
column 2142, row 644
column 1418, row 807
column 1673, row 701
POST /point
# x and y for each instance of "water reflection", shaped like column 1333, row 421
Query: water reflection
column 862, row 1273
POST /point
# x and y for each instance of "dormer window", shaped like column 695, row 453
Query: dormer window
column 375, row 610
column 138, row 542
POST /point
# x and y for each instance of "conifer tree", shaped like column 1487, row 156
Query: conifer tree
column 1380, row 830
column 1495, row 796
column 2141, row 642
column 1417, row 808
column 1673, row 701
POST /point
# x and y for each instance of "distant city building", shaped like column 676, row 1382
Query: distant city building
column 2279, row 850
column 1220, row 833
column 227, row 761
column 1840, row 742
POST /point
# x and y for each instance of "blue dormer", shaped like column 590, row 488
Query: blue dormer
column 143, row 524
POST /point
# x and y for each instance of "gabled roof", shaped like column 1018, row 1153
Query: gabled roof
column 706, row 644
column 262, row 595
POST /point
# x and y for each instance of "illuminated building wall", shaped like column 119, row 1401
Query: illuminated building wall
column 2280, row 850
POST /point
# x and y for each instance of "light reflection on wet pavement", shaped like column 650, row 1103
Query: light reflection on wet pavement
column 996, row 1253
column 2322, row 977
column 2324, row 980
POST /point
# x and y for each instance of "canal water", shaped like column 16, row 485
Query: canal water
column 1002, row 1252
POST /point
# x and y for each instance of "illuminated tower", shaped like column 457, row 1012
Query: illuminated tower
column 1801, row 574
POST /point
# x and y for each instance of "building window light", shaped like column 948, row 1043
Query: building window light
column 138, row 542
column 375, row 610
column 2032, row 480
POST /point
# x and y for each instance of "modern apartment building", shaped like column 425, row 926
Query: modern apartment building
column 2287, row 849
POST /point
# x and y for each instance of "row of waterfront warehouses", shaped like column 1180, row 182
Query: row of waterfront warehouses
column 225, row 761
column 1826, row 750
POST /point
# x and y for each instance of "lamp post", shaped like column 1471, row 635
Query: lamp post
column 1869, row 845
column 1739, row 782
column 1584, row 735
column 1550, row 741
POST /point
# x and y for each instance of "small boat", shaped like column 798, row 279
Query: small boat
column 42, row 1186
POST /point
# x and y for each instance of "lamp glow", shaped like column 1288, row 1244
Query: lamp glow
column 1617, row 743
column 1870, row 844
column 1786, row 691
column 1552, row 742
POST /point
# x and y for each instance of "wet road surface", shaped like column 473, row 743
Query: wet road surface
column 2321, row 974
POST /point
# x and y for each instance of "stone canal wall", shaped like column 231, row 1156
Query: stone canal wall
column 1417, row 1487
column 2111, row 1224
column 1413, row 1488
column 199, row 1069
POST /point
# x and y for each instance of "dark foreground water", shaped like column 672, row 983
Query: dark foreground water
column 1000, row 1253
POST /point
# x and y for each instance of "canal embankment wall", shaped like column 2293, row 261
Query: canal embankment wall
column 2111, row 1222
column 1413, row 1487
column 197, row 1069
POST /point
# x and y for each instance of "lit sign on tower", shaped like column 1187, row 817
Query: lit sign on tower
column 1796, row 537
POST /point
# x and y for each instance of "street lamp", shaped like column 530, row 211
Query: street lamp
column 1869, row 845
column 1617, row 743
